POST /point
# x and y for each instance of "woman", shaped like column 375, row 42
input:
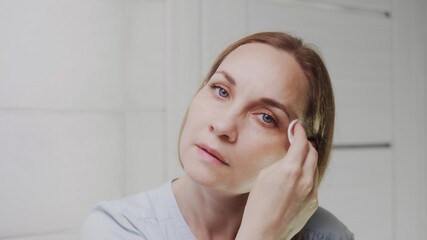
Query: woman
column 249, row 172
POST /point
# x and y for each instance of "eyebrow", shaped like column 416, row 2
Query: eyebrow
column 228, row 77
column 276, row 104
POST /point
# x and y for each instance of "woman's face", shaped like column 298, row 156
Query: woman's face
column 237, row 123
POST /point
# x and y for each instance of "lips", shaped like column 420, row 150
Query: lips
column 212, row 152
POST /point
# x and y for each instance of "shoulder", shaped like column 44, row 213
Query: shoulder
column 133, row 217
column 106, row 221
column 324, row 225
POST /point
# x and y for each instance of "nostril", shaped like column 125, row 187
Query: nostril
column 223, row 130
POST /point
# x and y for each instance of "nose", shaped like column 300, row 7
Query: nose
column 225, row 127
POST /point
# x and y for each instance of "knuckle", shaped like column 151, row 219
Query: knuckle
column 308, row 184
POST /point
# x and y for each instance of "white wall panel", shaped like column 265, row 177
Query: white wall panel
column 357, row 51
column 183, row 71
column 341, row 37
column 145, row 95
column 363, row 113
column 223, row 22
column 145, row 51
column 369, row 5
column 409, row 118
column 54, row 166
column 424, row 135
column 357, row 188
column 61, row 54
column 350, row 5
column 145, row 151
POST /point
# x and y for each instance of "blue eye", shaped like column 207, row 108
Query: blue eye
column 267, row 118
column 219, row 91
column 222, row 92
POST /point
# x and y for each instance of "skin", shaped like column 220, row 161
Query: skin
column 233, row 134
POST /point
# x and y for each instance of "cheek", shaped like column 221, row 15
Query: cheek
column 266, row 160
column 262, row 152
column 192, row 123
column 267, row 146
column 261, row 156
column 197, row 109
column 191, row 117
column 248, row 175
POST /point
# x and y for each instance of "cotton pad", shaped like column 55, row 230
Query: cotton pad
column 290, row 131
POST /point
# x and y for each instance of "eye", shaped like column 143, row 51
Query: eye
column 268, row 119
column 219, row 91
column 222, row 92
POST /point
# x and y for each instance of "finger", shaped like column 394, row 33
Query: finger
column 292, row 130
column 316, row 176
column 314, row 191
column 299, row 132
column 310, row 163
column 309, row 170
column 300, row 147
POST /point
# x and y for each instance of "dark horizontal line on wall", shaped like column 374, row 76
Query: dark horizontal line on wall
column 345, row 146
column 339, row 7
column 80, row 110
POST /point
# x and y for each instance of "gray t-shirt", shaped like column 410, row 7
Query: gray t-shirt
column 154, row 215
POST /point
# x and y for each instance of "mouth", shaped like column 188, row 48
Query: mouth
column 211, row 154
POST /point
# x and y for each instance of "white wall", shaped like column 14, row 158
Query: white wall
column 61, row 112
column 145, row 94
column 92, row 94
column 409, row 156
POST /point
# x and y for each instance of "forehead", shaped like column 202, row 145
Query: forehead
column 264, row 71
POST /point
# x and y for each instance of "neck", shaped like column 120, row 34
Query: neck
column 209, row 214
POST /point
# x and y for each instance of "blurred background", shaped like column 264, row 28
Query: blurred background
column 92, row 94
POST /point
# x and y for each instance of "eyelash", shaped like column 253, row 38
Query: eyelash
column 273, row 119
column 215, row 87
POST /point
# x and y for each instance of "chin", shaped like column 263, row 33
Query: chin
column 202, row 176
column 218, row 183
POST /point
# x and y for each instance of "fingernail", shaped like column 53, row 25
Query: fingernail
column 290, row 131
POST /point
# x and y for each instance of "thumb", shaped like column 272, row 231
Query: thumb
column 296, row 132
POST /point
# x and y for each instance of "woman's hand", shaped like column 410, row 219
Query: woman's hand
column 284, row 195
